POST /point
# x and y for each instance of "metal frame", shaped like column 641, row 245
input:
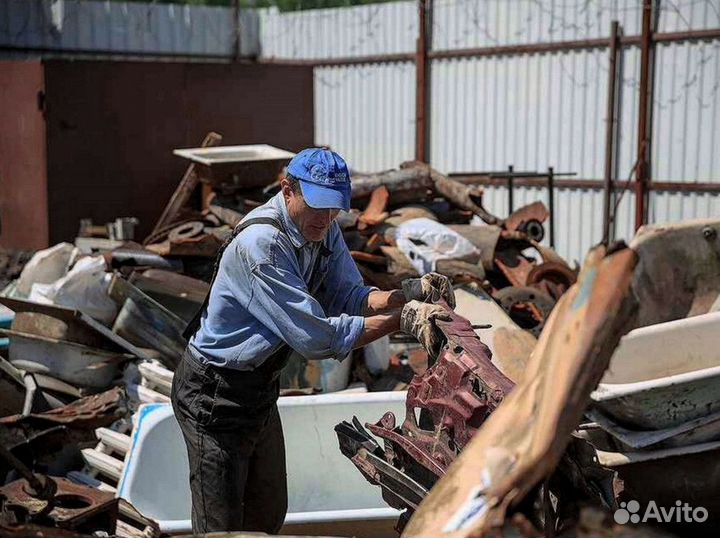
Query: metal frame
column 423, row 57
column 647, row 40
column 506, row 50
column 540, row 180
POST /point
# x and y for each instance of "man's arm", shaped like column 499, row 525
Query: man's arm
column 382, row 302
column 378, row 326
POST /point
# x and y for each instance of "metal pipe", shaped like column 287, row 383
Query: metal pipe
column 551, row 205
column 642, row 172
column 510, row 181
column 611, row 130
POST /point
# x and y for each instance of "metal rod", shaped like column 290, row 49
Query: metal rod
column 35, row 483
column 611, row 129
column 515, row 174
column 510, row 50
column 589, row 184
column 642, row 172
column 510, row 180
column 551, row 204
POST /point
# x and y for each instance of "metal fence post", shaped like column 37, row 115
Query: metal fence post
column 422, row 81
column 611, row 131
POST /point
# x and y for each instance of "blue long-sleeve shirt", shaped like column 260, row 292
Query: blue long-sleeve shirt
column 260, row 298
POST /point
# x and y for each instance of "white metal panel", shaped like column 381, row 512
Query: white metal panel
column 686, row 116
column 487, row 23
column 367, row 113
column 339, row 32
column 531, row 111
column 675, row 206
column 125, row 27
column 681, row 15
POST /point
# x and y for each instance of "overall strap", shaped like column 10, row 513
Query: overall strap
column 194, row 324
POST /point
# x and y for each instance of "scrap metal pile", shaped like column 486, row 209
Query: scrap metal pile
column 93, row 330
column 616, row 407
column 505, row 256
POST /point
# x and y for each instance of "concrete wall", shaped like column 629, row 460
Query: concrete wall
column 23, row 192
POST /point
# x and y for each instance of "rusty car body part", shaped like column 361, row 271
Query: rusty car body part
column 445, row 405
column 514, row 266
column 70, row 506
column 528, row 307
column 554, row 278
column 86, row 413
column 510, row 345
column 524, row 439
column 618, row 289
column 186, row 231
column 529, row 219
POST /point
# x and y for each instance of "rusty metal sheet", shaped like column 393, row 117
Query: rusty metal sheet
column 520, row 218
column 90, row 412
column 375, row 211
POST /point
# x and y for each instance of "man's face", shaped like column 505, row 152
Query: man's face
column 314, row 224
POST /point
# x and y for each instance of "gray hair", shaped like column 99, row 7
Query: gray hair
column 294, row 184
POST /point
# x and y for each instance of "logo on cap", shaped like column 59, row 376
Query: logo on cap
column 319, row 174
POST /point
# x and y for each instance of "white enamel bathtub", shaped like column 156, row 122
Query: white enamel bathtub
column 326, row 493
column 663, row 375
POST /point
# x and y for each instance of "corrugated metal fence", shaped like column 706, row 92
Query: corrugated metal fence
column 31, row 27
column 531, row 110
column 528, row 109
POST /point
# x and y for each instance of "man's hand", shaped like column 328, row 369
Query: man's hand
column 418, row 319
column 429, row 289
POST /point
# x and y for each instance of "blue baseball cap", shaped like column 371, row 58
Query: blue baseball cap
column 324, row 178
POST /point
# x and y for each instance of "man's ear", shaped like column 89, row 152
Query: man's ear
column 285, row 187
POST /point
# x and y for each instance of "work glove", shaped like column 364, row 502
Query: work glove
column 429, row 289
column 418, row 319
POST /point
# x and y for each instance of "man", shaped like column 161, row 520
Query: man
column 284, row 282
